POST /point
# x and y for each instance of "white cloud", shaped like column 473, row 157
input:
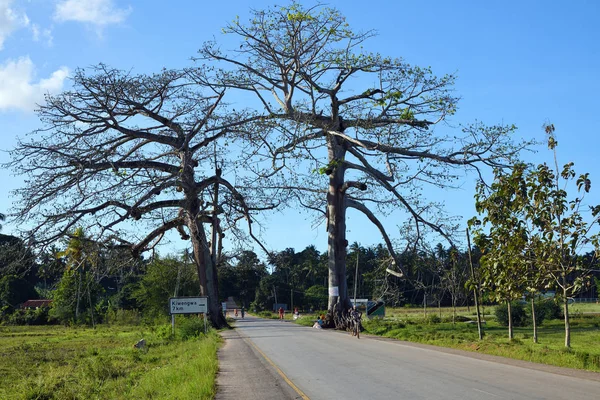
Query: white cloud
column 17, row 89
column 10, row 20
column 35, row 31
column 47, row 34
column 95, row 12
column 37, row 34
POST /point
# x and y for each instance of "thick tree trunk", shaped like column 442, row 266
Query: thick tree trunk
column 339, row 302
column 206, row 273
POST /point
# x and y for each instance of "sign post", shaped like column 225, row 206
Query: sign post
column 188, row 305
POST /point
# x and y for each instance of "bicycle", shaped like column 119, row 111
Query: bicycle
column 354, row 323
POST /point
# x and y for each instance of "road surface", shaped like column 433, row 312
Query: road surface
column 324, row 364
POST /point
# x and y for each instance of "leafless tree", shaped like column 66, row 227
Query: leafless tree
column 129, row 158
column 363, row 123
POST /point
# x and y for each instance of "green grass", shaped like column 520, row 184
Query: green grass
column 418, row 312
column 583, row 354
column 412, row 325
column 50, row 362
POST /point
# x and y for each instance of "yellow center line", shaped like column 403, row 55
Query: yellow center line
column 279, row 371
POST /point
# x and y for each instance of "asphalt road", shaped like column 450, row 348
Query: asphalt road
column 324, row 364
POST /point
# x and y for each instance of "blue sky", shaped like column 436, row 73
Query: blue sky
column 521, row 62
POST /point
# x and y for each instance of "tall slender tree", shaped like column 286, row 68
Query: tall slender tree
column 504, row 267
column 537, row 232
column 564, row 231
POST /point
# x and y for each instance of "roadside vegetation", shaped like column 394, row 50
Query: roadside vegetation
column 435, row 327
column 56, row 362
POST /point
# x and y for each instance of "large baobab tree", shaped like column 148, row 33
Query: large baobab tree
column 357, row 129
column 129, row 158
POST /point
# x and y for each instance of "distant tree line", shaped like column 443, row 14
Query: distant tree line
column 90, row 284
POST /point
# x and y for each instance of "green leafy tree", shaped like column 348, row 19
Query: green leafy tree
column 503, row 270
column 16, row 258
column 312, row 269
column 563, row 229
column 271, row 287
column 316, row 297
column 249, row 271
column 537, row 232
column 165, row 277
column 78, row 291
column 50, row 268
column 14, row 290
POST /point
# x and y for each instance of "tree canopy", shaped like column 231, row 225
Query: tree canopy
column 128, row 158
column 341, row 127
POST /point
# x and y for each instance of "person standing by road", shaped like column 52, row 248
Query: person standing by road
column 281, row 312
column 243, row 311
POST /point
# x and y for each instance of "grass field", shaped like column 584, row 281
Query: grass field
column 412, row 324
column 52, row 362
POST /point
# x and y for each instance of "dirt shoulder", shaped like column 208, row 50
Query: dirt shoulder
column 245, row 374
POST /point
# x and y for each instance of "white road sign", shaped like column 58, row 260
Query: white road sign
column 188, row 305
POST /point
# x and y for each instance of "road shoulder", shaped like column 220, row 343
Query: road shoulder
column 245, row 374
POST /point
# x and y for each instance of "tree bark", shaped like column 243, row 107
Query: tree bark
column 91, row 305
column 476, row 289
column 336, row 235
column 453, row 310
column 566, row 312
column 206, row 272
column 78, row 296
column 535, row 330
column 510, row 322
column 203, row 258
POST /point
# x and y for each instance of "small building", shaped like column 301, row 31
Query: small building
column 35, row 304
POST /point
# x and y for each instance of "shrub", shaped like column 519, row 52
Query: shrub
column 190, row 328
column 164, row 332
column 434, row 319
column 519, row 317
column 379, row 326
column 265, row 314
column 545, row 309
column 30, row 317
column 457, row 318
column 123, row 317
